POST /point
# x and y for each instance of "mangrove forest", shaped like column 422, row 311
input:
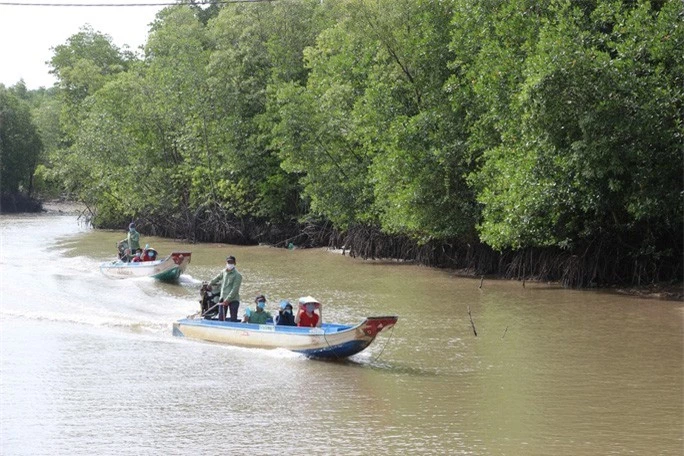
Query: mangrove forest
column 529, row 139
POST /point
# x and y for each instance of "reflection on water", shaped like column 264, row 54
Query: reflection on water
column 89, row 363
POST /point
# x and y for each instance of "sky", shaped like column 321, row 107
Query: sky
column 27, row 33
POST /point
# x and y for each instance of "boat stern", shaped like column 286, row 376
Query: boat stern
column 177, row 331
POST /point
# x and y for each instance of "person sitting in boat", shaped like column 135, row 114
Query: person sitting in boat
column 306, row 315
column 137, row 258
column 148, row 254
column 260, row 315
column 285, row 315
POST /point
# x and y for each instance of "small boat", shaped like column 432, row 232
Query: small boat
column 329, row 341
column 166, row 270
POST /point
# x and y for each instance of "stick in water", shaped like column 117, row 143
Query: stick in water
column 471, row 321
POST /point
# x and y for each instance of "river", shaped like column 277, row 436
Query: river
column 89, row 365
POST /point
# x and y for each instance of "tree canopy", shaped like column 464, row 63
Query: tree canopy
column 479, row 134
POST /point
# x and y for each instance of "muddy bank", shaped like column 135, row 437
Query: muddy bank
column 14, row 203
column 667, row 291
column 598, row 271
column 65, row 207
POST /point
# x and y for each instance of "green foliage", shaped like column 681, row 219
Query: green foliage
column 256, row 46
column 84, row 62
column 371, row 135
column 516, row 123
column 45, row 183
column 597, row 134
column 20, row 144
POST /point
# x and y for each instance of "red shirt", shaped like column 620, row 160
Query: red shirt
column 305, row 320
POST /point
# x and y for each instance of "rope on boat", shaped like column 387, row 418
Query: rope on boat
column 374, row 359
column 383, row 347
column 329, row 346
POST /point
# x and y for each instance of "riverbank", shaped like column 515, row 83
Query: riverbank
column 64, row 207
column 659, row 291
column 15, row 203
column 667, row 292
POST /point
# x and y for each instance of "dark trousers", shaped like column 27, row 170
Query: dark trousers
column 233, row 307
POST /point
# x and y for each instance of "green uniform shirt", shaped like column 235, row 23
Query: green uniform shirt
column 133, row 241
column 260, row 318
column 230, row 284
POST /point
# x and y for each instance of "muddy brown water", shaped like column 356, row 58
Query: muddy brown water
column 88, row 364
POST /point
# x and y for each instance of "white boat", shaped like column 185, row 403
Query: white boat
column 329, row 341
column 167, row 269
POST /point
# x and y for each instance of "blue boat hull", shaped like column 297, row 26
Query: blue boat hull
column 331, row 341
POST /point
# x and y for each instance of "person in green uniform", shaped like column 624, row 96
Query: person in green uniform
column 260, row 315
column 133, row 238
column 230, row 280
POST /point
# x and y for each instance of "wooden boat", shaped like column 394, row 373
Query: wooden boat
column 167, row 269
column 330, row 341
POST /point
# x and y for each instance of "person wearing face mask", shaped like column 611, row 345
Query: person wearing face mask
column 260, row 315
column 307, row 316
column 230, row 280
column 137, row 257
column 285, row 316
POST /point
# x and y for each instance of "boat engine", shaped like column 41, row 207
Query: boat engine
column 209, row 299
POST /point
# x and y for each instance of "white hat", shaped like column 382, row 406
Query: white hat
column 308, row 300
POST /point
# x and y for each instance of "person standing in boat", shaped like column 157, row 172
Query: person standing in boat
column 230, row 280
column 133, row 238
column 285, row 316
column 306, row 315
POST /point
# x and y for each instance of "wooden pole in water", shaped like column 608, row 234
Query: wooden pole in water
column 471, row 321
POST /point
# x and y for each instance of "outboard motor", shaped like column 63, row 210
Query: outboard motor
column 123, row 251
column 209, row 299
